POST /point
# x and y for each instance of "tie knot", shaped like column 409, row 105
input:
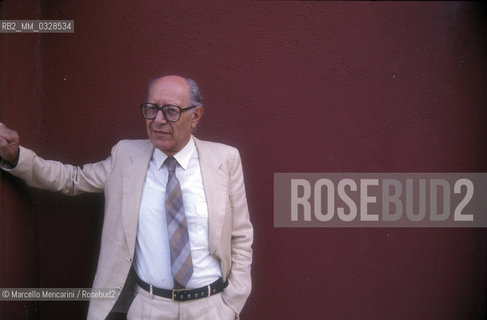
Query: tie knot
column 171, row 164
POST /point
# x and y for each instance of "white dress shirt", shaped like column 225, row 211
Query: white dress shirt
column 152, row 251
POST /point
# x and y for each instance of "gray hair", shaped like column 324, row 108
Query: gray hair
column 194, row 93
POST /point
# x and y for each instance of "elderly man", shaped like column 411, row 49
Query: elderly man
column 176, row 239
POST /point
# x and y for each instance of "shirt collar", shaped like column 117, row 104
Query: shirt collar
column 182, row 157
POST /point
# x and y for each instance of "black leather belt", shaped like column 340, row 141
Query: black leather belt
column 184, row 294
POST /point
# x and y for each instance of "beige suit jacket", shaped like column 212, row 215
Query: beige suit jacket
column 121, row 177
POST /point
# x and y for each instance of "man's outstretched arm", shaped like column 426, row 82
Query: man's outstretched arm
column 51, row 175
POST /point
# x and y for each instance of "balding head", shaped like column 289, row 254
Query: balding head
column 194, row 91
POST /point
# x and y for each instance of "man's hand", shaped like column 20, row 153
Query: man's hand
column 9, row 144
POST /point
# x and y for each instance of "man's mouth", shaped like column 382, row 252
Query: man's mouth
column 160, row 131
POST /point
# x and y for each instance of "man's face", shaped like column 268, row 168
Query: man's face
column 171, row 137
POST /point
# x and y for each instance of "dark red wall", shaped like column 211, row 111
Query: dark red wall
column 20, row 92
column 297, row 87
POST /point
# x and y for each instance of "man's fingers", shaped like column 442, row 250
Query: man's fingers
column 5, row 145
column 9, row 135
column 9, row 150
column 9, row 143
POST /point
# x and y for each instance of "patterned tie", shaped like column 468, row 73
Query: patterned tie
column 181, row 263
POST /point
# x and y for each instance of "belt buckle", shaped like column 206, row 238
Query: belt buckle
column 173, row 293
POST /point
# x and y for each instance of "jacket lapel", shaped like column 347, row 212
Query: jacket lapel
column 215, row 183
column 133, row 177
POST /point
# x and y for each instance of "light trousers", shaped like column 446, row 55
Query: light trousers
column 150, row 307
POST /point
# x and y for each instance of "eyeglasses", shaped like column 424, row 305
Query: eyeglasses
column 171, row 113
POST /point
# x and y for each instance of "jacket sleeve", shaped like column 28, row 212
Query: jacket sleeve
column 57, row 176
column 239, row 287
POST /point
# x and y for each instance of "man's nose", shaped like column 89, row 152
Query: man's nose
column 160, row 117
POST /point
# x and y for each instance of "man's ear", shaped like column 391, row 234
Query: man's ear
column 196, row 116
